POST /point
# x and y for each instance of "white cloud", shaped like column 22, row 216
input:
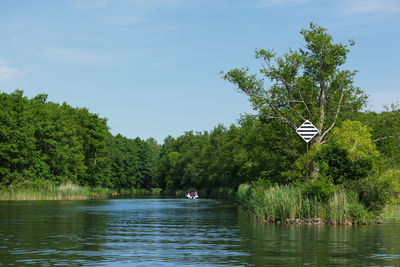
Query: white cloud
column 370, row 6
column 8, row 73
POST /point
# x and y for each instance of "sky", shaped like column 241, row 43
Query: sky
column 152, row 67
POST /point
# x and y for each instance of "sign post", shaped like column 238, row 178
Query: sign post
column 307, row 131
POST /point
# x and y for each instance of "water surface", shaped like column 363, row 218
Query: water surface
column 179, row 232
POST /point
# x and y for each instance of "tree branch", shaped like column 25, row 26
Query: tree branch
column 336, row 116
column 302, row 99
column 385, row 137
column 280, row 116
column 280, row 78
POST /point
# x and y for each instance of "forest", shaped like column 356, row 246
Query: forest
column 43, row 142
column 356, row 150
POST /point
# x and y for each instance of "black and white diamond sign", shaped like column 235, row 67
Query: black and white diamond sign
column 307, row 131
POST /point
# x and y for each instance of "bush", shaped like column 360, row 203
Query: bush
column 243, row 193
column 156, row 191
column 358, row 213
column 374, row 192
column 321, row 189
column 336, row 162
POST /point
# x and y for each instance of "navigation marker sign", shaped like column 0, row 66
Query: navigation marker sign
column 307, row 131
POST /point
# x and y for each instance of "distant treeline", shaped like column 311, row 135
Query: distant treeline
column 44, row 141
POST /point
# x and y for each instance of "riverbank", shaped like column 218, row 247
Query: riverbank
column 289, row 204
column 67, row 191
column 53, row 192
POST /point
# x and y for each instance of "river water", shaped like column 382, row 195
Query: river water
column 179, row 232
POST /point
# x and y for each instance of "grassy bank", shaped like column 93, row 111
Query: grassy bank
column 391, row 213
column 53, row 192
column 68, row 191
column 291, row 204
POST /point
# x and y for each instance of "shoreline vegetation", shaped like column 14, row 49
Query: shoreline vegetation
column 69, row 191
column 292, row 205
column 268, row 204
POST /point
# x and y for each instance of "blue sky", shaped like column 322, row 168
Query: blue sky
column 151, row 67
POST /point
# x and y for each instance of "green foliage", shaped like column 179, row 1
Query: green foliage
column 385, row 133
column 133, row 163
column 320, row 189
column 243, row 193
column 374, row 192
column 356, row 139
column 45, row 143
column 305, row 83
column 281, row 203
column 390, row 213
column 156, row 191
column 359, row 214
column 392, row 178
column 348, row 155
column 337, row 164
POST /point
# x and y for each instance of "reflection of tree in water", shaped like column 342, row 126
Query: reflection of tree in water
column 50, row 232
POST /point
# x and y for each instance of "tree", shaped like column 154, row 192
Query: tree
column 307, row 83
column 385, row 133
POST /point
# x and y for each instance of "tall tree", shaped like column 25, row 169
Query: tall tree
column 307, row 83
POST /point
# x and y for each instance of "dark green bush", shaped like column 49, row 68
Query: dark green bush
column 373, row 192
column 339, row 165
column 320, row 189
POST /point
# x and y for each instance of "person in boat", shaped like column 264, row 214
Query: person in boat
column 192, row 193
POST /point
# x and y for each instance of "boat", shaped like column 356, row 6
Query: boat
column 192, row 193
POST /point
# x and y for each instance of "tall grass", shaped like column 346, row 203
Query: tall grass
column 67, row 191
column 282, row 203
column 390, row 213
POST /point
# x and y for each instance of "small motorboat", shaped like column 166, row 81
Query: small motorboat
column 192, row 194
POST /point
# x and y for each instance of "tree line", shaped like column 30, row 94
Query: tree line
column 41, row 142
column 45, row 141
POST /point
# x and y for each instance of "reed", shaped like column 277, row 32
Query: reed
column 290, row 203
column 390, row 213
column 67, row 191
column 156, row 191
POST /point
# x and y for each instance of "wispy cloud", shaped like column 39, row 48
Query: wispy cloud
column 370, row 6
column 8, row 73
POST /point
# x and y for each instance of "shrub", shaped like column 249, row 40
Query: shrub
column 243, row 193
column 156, row 191
column 358, row 213
column 321, row 189
column 374, row 192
